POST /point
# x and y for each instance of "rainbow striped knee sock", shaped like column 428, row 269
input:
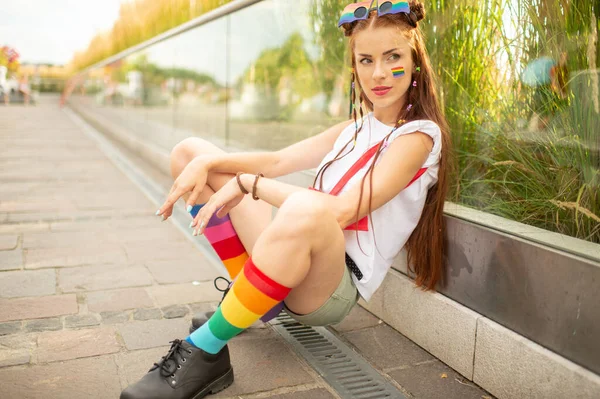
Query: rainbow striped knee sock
column 252, row 295
column 223, row 238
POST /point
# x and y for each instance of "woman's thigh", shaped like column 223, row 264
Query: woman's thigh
column 249, row 218
column 305, row 248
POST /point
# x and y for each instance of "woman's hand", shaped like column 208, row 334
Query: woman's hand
column 223, row 201
column 192, row 179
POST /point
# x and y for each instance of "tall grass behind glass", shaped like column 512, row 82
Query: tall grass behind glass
column 523, row 151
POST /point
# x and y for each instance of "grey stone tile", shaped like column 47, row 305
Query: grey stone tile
column 14, row 357
column 11, row 260
column 175, row 294
column 51, row 324
column 152, row 333
column 8, row 242
column 203, row 307
column 119, row 227
column 435, row 380
column 24, row 227
column 263, row 365
column 357, row 319
column 147, row 314
column 181, row 271
column 92, row 278
column 16, row 349
column 70, row 257
column 174, row 251
column 130, row 298
column 386, row 348
column 175, row 311
column 93, row 378
column 10, row 327
column 72, row 344
column 25, row 283
column 36, row 217
column 81, row 320
column 37, row 240
column 36, row 308
column 114, row 317
column 19, row 341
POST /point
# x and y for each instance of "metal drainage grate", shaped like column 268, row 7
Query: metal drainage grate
column 345, row 370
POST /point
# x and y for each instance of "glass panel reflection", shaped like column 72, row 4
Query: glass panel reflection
column 282, row 89
column 519, row 80
column 520, row 84
column 200, row 73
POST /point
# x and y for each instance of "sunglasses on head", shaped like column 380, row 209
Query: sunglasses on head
column 358, row 11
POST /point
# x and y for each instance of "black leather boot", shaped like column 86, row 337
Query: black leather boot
column 186, row 372
column 202, row 317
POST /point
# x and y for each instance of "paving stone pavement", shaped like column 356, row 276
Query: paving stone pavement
column 93, row 287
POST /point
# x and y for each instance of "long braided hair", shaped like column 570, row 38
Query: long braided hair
column 426, row 246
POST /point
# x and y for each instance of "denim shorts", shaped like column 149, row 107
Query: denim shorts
column 337, row 306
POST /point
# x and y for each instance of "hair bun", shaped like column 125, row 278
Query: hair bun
column 417, row 8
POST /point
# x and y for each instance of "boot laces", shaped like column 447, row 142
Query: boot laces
column 223, row 290
column 172, row 361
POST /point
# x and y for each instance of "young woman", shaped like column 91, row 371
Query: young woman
column 380, row 187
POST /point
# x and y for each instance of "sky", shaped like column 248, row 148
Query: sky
column 44, row 31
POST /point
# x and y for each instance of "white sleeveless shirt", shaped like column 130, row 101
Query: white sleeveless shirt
column 391, row 225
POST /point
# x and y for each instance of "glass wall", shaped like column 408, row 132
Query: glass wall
column 201, row 86
column 519, row 81
column 281, row 90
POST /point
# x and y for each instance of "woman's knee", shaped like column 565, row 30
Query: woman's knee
column 188, row 149
column 303, row 212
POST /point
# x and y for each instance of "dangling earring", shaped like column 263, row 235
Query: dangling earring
column 417, row 69
column 353, row 99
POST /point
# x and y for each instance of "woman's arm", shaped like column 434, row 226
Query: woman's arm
column 398, row 166
column 303, row 155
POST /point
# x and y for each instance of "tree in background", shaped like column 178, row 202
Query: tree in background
column 138, row 21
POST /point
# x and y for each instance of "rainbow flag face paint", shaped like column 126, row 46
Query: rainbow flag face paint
column 398, row 72
column 359, row 11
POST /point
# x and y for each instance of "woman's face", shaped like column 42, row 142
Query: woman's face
column 376, row 52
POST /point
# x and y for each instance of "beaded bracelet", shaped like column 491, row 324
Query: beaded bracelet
column 239, row 182
column 254, row 197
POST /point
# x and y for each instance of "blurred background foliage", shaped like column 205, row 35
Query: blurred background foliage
column 138, row 21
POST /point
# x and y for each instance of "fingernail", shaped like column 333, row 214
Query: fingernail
column 164, row 218
column 201, row 225
column 157, row 212
column 191, row 224
column 189, row 208
column 195, row 232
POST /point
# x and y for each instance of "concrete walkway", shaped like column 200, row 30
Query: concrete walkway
column 93, row 286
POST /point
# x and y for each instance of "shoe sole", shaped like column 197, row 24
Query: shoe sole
column 217, row 386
